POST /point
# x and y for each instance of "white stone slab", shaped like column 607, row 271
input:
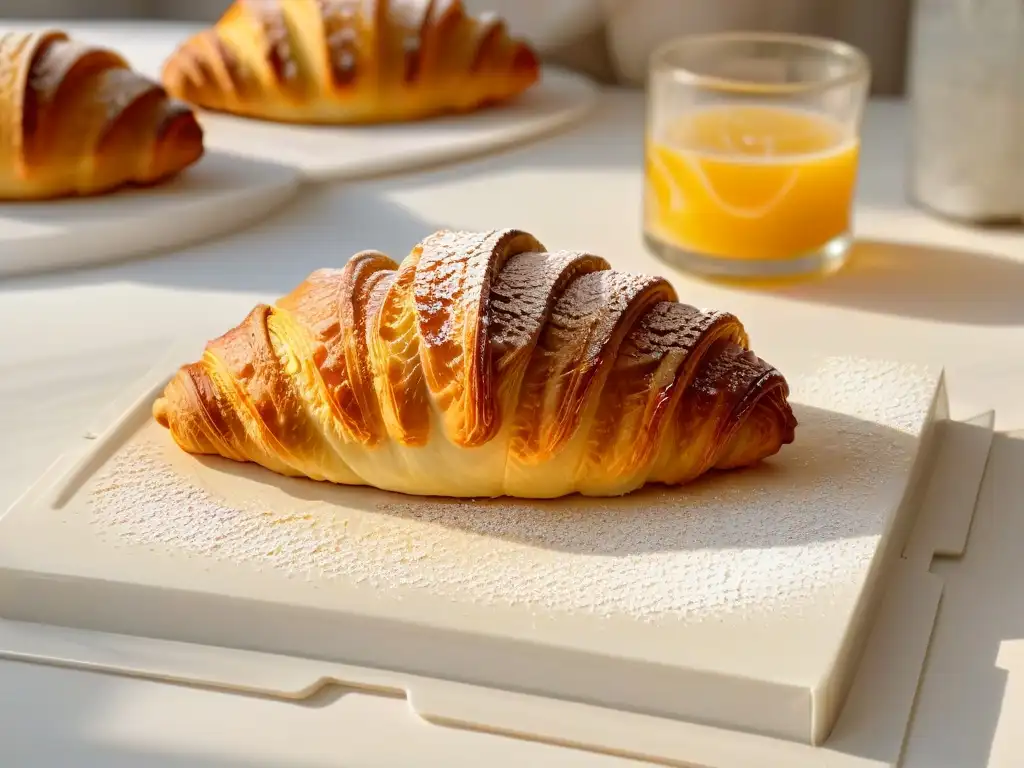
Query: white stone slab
column 741, row 601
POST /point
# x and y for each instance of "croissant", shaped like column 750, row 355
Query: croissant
column 76, row 120
column 482, row 366
column 350, row 61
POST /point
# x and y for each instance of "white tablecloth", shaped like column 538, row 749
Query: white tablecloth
column 920, row 290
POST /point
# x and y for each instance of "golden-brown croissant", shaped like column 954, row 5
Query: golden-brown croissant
column 482, row 366
column 76, row 120
column 350, row 61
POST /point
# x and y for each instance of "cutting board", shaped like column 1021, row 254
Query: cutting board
column 741, row 601
column 219, row 194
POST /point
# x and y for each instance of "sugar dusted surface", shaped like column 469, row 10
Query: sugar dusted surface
column 797, row 530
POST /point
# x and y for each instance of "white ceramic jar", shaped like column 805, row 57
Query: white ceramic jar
column 966, row 89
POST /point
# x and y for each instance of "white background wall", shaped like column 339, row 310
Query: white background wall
column 610, row 39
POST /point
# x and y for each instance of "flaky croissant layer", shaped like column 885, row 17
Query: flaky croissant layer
column 350, row 61
column 482, row 366
column 76, row 120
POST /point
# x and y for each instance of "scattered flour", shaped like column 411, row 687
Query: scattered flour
column 800, row 529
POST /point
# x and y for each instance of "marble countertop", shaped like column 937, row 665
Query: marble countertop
column 918, row 290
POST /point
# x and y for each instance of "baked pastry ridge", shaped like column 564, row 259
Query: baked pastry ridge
column 75, row 119
column 482, row 366
column 350, row 61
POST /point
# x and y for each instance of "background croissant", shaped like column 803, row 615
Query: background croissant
column 350, row 61
column 482, row 366
column 75, row 120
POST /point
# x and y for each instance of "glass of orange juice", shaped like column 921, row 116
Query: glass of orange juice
column 752, row 150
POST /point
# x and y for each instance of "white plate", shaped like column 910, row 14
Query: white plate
column 559, row 100
column 330, row 153
column 217, row 195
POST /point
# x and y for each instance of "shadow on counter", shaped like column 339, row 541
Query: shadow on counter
column 322, row 227
column 923, row 282
column 711, row 514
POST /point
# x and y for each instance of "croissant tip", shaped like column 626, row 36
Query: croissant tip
column 788, row 432
column 526, row 60
column 161, row 412
column 789, row 422
column 180, row 139
column 177, row 75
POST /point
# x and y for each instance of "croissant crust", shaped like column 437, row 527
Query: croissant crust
column 350, row 61
column 482, row 365
column 76, row 120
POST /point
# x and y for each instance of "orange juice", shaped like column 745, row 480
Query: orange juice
column 751, row 182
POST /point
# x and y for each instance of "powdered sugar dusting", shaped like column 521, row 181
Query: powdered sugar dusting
column 894, row 394
column 671, row 325
column 523, row 290
column 586, row 314
column 454, row 271
column 797, row 530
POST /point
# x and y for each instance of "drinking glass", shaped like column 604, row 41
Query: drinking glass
column 752, row 151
